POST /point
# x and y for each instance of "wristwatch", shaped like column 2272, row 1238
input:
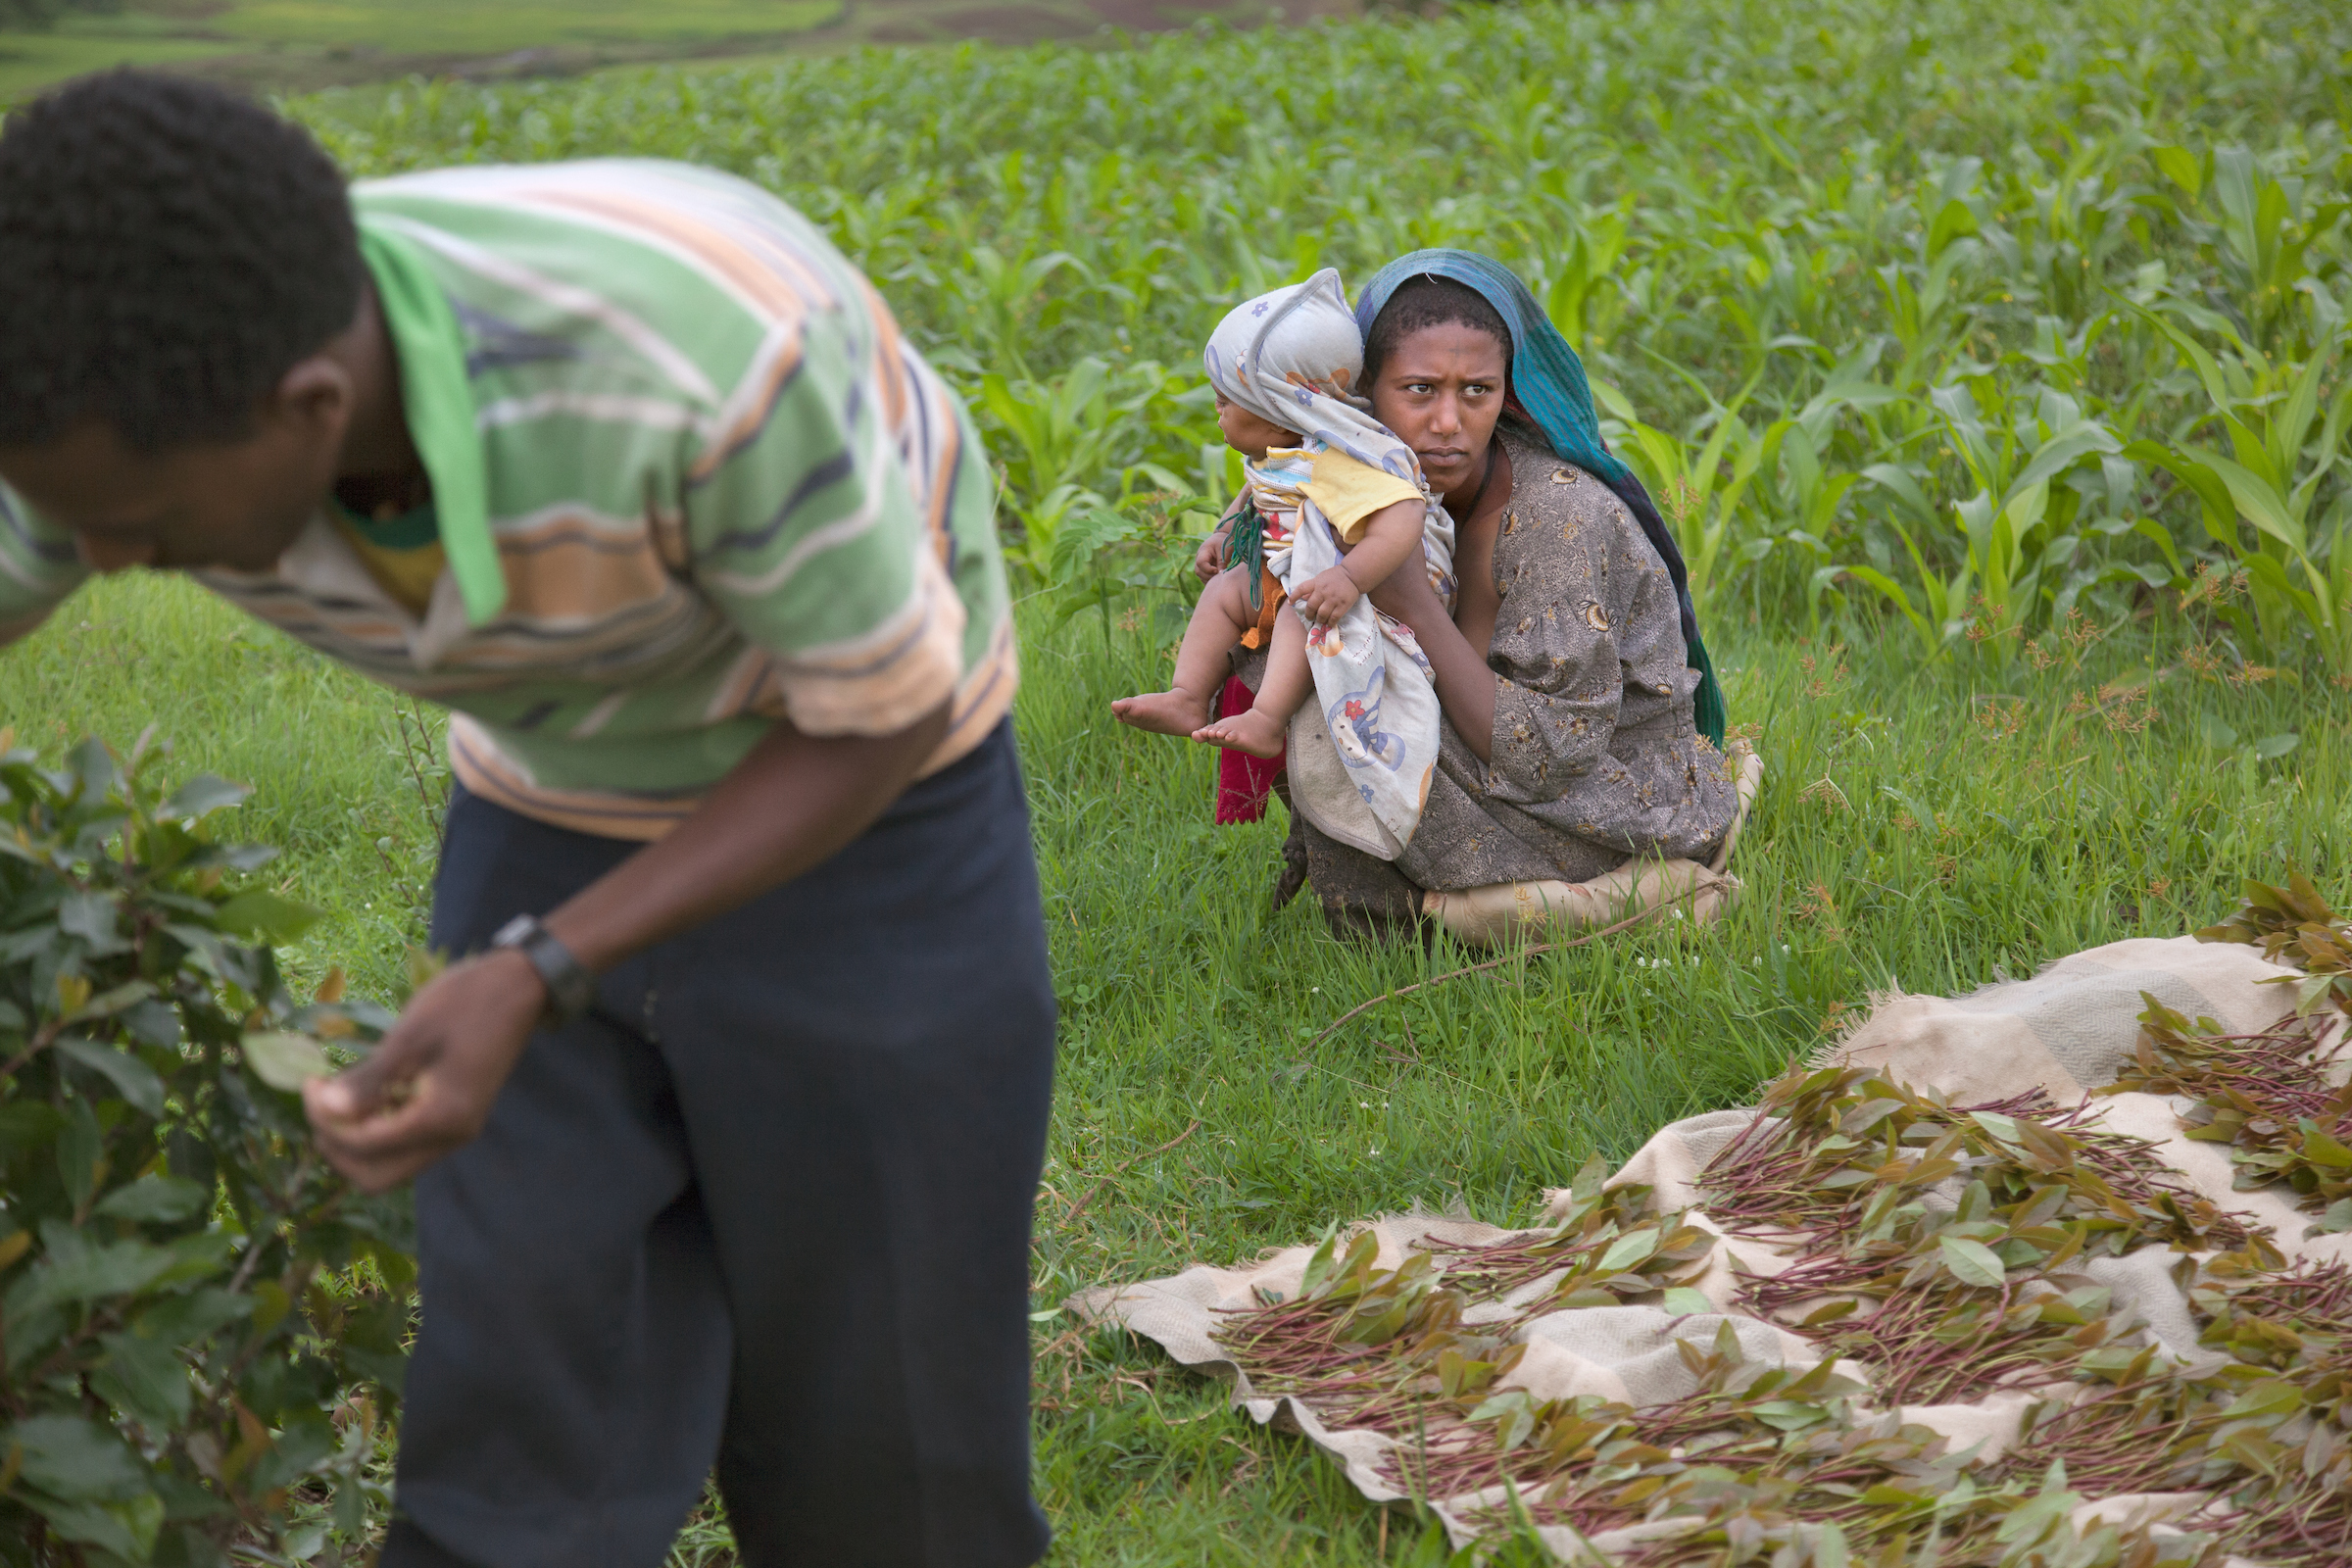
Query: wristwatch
column 570, row 988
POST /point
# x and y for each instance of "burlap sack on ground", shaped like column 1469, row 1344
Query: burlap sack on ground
column 2067, row 1029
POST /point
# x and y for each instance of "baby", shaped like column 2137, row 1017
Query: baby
column 1284, row 367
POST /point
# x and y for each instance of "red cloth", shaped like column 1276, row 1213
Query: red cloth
column 1243, row 781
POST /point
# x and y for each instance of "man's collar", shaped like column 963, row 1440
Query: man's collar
column 437, row 398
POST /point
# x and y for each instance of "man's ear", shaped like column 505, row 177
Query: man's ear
column 316, row 394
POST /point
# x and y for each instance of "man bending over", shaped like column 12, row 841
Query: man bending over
column 725, row 1126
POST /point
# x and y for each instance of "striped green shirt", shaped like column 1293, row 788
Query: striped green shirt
column 689, row 479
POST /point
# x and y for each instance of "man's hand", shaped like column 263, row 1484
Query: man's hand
column 1327, row 596
column 1209, row 559
column 428, row 1087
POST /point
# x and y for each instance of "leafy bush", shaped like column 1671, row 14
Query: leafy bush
column 187, row 1295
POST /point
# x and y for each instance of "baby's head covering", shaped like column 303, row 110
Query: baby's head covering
column 1292, row 358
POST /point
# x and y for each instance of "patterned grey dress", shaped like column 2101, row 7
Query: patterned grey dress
column 1596, row 757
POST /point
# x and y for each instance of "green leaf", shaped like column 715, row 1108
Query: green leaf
column 2062, row 452
column 2179, row 165
column 196, row 1255
column 143, row 1516
column 263, row 914
column 2221, row 511
column 1788, row 1415
column 1513, row 1413
column 1606, row 394
column 284, row 1060
column 94, row 917
column 2272, row 1397
column 1972, row 1263
column 2274, row 746
column 1588, row 1180
column 124, row 1530
column 73, row 1459
column 2002, row 1127
column 1683, row 1301
column 1951, row 223
column 120, row 998
column 153, row 1200
column 92, row 771
column 2037, row 1517
column 87, row 1273
column 145, row 1378
column 203, row 795
column 2258, row 500
column 1320, row 1263
column 186, row 1319
column 78, row 1147
column 133, row 1079
column 2321, row 1149
column 1627, row 1251
column 26, row 1126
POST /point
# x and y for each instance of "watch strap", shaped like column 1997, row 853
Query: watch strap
column 570, row 988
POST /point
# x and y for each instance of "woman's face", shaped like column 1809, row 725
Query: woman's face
column 1440, row 390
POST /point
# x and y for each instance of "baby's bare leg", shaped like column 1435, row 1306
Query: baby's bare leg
column 1289, row 683
column 1202, row 662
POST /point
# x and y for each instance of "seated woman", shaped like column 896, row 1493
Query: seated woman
column 1583, row 720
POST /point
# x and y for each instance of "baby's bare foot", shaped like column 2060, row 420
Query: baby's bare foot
column 1258, row 734
column 1169, row 713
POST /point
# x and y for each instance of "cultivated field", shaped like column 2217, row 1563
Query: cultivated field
column 1901, row 305
column 284, row 46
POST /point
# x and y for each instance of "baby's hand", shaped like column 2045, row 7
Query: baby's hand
column 1209, row 559
column 1327, row 596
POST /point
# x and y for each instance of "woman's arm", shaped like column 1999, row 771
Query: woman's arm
column 1465, row 685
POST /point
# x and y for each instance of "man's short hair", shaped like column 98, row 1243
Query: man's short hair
column 1430, row 301
column 167, row 251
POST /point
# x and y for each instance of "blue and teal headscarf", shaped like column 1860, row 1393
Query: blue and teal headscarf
column 1548, row 381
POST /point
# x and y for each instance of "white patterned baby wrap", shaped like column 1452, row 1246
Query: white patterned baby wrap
column 1292, row 358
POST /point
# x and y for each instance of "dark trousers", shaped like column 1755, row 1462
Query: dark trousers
column 767, row 1208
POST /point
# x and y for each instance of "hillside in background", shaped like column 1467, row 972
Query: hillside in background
column 303, row 45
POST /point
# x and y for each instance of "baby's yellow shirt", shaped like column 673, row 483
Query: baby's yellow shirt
column 1348, row 492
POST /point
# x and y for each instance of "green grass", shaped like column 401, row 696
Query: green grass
column 1929, row 829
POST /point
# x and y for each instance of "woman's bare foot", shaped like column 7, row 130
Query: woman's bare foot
column 1169, row 712
column 1260, row 734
